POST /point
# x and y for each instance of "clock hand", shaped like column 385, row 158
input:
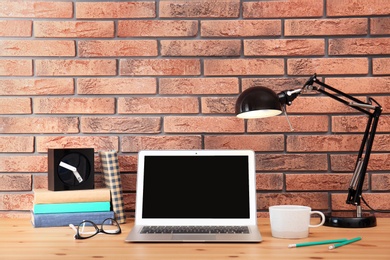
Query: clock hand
column 72, row 169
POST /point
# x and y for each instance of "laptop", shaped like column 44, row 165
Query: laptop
column 195, row 196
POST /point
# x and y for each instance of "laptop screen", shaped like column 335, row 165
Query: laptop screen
column 196, row 186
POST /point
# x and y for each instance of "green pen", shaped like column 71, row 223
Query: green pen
column 315, row 243
column 344, row 243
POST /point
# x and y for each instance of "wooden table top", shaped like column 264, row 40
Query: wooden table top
column 20, row 240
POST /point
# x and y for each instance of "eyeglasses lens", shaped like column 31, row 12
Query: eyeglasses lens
column 110, row 226
column 87, row 229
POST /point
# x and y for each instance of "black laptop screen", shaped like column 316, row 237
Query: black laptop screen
column 196, row 186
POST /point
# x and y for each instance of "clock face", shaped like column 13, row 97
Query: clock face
column 73, row 169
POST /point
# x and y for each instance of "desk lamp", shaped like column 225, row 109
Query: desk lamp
column 260, row 102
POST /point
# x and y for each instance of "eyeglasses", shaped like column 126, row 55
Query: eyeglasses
column 87, row 228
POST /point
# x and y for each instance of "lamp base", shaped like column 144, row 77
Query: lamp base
column 349, row 220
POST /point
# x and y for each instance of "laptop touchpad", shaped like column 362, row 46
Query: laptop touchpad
column 193, row 237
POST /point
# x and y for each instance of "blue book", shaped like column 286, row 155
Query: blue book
column 64, row 219
column 71, row 207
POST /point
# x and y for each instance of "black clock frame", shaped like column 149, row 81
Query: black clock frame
column 60, row 179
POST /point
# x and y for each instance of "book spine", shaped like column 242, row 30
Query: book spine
column 64, row 219
column 71, row 207
column 112, row 177
column 93, row 195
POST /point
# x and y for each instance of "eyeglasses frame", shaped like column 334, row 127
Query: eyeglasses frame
column 98, row 230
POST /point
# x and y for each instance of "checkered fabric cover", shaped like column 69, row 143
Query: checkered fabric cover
column 112, row 178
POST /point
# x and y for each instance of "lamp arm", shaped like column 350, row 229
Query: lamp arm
column 356, row 185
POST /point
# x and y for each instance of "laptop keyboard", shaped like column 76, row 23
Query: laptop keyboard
column 195, row 230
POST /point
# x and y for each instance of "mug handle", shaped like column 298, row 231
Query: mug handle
column 322, row 218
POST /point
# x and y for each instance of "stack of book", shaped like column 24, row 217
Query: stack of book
column 61, row 208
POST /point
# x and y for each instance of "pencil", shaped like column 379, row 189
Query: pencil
column 315, row 243
column 344, row 243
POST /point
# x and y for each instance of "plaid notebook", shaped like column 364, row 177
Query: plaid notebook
column 112, row 178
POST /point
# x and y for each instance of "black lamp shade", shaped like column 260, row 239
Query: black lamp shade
column 258, row 102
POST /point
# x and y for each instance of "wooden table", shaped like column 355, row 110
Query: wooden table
column 19, row 240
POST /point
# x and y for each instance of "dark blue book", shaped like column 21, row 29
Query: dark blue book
column 64, row 219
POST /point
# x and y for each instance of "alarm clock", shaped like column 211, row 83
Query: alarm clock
column 71, row 169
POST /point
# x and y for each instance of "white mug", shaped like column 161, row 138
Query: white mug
column 292, row 221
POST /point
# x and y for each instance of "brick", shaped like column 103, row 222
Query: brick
column 269, row 143
column 276, row 84
column 15, row 182
column 15, row 28
column 269, row 181
column 354, row 124
column 335, row 143
column 13, row 105
column 381, row 142
column 280, row 124
column 291, row 162
column 37, row 48
column 197, row 124
column 327, row 66
column 117, row 48
column 127, row 163
column 79, row 29
column 74, row 105
column 129, row 9
column 357, row 8
column 284, row 47
column 117, row 86
column 240, row 28
column 75, row 67
column 22, row 163
column 15, row 215
column 377, row 201
column 198, row 86
column 319, row 105
column 16, row 201
column 39, row 125
column 381, row 66
column 218, row 105
column 36, row 86
column 40, row 181
column 346, row 162
column 384, row 101
column 380, row 25
column 280, row 9
column 159, row 67
column 366, row 85
column 325, row 27
column 16, row 68
column 157, row 28
column 315, row 200
column 129, row 182
column 129, row 201
column 157, row 105
column 16, row 144
column 200, row 48
column 199, row 9
column 120, row 125
column 380, row 182
column 36, row 9
column 359, row 46
column 223, row 67
column 97, row 142
column 319, row 182
column 171, row 142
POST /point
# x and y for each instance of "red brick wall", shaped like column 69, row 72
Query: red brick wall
column 166, row 74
